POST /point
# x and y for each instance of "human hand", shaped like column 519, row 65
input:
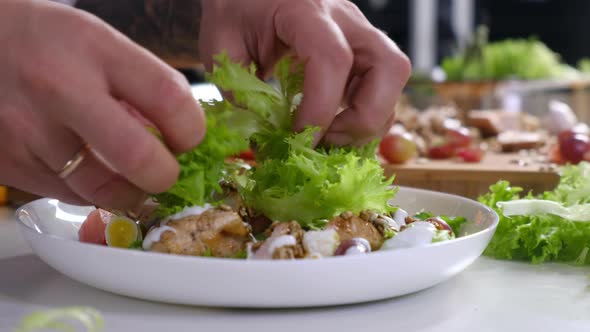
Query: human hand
column 349, row 62
column 66, row 77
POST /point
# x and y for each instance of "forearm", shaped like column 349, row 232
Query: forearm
column 168, row 28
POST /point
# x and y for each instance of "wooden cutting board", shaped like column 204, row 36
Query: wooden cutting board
column 473, row 179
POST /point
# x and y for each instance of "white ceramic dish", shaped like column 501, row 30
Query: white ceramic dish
column 50, row 227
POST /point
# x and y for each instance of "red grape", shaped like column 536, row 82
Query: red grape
column 470, row 155
column 397, row 148
column 458, row 137
column 442, row 151
column 357, row 245
column 573, row 146
column 439, row 223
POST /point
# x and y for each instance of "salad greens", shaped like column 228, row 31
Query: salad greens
column 442, row 235
column 292, row 180
column 454, row 222
column 584, row 65
column 536, row 207
column 55, row 319
column 311, row 185
column 545, row 229
column 203, row 167
column 525, row 59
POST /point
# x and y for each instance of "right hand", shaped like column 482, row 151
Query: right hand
column 64, row 77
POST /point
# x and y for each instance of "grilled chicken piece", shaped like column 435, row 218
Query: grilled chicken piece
column 222, row 233
column 351, row 226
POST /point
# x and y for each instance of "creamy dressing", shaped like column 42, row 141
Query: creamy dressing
column 154, row 235
column 188, row 211
column 281, row 241
column 249, row 252
column 273, row 243
column 400, row 217
column 417, row 234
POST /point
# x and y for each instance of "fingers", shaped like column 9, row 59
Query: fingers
column 382, row 71
column 348, row 50
column 32, row 176
column 123, row 143
column 92, row 180
column 328, row 60
column 160, row 93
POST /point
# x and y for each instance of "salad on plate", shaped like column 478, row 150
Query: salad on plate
column 293, row 201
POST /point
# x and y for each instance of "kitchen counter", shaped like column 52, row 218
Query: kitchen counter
column 489, row 296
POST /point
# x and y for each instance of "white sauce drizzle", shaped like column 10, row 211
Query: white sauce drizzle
column 281, row 241
column 188, row 211
column 155, row 234
column 400, row 217
column 267, row 249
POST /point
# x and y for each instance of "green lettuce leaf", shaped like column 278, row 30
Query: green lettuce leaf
column 536, row 207
column 260, row 107
column 292, row 180
column 536, row 236
column 442, row 235
column 526, row 59
column 60, row 319
column 202, row 168
column 311, row 185
column 573, row 187
column 454, row 222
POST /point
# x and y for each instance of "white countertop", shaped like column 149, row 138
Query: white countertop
column 489, row 296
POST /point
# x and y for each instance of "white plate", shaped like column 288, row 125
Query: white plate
column 51, row 228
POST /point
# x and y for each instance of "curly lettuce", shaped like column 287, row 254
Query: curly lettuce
column 541, row 232
column 202, row 168
column 312, row 185
column 526, row 59
column 292, row 180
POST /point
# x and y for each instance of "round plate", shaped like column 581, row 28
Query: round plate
column 51, row 228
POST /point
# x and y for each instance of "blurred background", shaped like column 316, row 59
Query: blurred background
column 429, row 30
